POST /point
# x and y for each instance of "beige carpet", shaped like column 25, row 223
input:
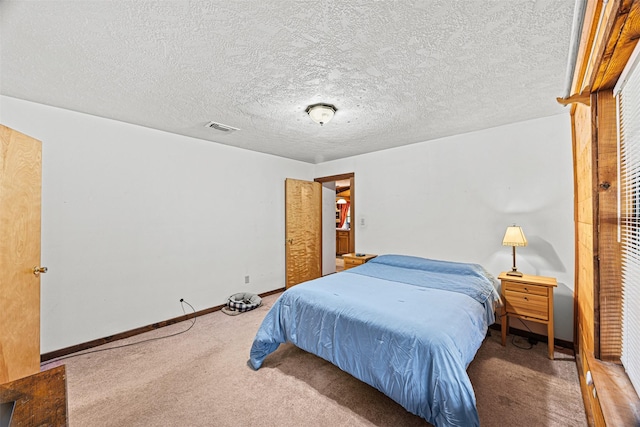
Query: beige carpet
column 201, row 378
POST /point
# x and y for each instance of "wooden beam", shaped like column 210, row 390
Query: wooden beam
column 609, row 250
column 625, row 32
column 603, row 25
column 589, row 31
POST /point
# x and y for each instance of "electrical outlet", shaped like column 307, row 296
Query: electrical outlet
column 246, row 280
column 589, row 378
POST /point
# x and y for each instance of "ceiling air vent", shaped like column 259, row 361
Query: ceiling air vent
column 220, row 127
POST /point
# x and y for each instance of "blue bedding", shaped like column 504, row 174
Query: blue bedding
column 407, row 326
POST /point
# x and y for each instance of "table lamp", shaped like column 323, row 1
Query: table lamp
column 514, row 236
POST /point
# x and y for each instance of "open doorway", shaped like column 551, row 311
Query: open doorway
column 338, row 220
column 343, row 221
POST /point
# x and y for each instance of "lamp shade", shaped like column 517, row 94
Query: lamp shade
column 514, row 236
column 342, row 202
column 321, row 113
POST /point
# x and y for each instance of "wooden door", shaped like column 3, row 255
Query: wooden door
column 20, row 187
column 303, row 231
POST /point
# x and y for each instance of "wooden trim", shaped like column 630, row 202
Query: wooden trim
column 576, row 246
column 618, row 400
column 604, row 24
column 584, row 228
column 592, row 12
column 605, row 45
column 622, row 38
column 593, row 411
column 334, row 177
column 609, row 250
column 352, row 207
column 584, row 390
column 351, row 176
column 122, row 335
column 595, row 237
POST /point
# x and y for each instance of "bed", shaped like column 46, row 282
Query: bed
column 405, row 325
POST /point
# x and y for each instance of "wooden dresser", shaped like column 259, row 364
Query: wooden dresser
column 342, row 242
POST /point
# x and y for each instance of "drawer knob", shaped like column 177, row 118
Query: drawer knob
column 526, row 289
column 526, row 299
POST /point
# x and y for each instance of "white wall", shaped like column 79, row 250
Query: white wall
column 133, row 219
column 328, row 227
column 453, row 198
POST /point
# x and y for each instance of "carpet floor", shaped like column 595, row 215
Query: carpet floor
column 201, row 378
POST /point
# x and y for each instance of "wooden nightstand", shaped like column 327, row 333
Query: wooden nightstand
column 529, row 298
column 351, row 260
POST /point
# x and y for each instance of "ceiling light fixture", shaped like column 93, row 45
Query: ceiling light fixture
column 321, row 113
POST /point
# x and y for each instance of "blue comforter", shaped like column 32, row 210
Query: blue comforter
column 407, row 326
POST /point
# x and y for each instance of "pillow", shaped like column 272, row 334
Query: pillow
column 418, row 263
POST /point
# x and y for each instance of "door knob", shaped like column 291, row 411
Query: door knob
column 37, row 270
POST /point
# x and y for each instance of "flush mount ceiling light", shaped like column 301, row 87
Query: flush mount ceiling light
column 321, row 113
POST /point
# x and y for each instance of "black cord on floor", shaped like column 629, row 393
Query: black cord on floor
column 182, row 302
column 513, row 341
column 513, row 336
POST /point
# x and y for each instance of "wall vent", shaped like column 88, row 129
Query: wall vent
column 220, row 127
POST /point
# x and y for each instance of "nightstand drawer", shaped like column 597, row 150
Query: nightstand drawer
column 350, row 262
column 528, row 305
column 525, row 288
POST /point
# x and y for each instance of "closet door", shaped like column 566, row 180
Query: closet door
column 20, row 187
column 303, row 231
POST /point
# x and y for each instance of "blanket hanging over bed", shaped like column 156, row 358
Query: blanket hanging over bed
column 407, row 326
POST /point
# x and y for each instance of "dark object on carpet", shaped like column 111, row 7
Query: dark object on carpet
column 241, row 302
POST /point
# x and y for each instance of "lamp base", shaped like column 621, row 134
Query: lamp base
column 514, row 273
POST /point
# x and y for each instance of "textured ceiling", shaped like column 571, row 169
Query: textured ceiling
column 399, row 72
